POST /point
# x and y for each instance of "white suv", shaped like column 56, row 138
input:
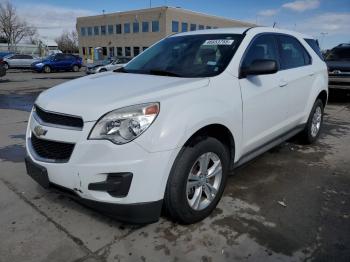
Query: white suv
column 167, row 128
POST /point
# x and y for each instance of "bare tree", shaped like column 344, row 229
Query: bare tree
column 12, row 27
column 68, row 42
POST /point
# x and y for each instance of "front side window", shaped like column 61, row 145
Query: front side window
column 135, row 27
column 187, row 56
column 103, row 30
column 96, row 30
column 175, row 26
column 262, row 47
column 145, row 27
column 127, row 28
column 110, row 29
column 155, row 26
column 184, row 27
column 292, row 53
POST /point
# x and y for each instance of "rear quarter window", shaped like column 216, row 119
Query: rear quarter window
column 315, row 46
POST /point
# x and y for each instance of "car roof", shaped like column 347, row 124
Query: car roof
column 247, row 30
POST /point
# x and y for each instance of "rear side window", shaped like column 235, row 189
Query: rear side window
column 263, row 47
column 314, row 45
column 292, row 53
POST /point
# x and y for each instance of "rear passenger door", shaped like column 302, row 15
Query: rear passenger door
column 297, row 72
column 265, row 100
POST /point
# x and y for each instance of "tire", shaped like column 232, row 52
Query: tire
column 75, row 68
column 7, row 66
column 314, row 124
column 47, row 69
column 180, row 194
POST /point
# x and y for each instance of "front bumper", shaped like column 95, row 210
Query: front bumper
column 91, row 163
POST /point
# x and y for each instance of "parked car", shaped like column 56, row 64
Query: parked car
column 165, row 129
column 3, row 54
column 107, row 65
column 19, row 61
column 338, row 62
column 58, row 62
column 2, row 70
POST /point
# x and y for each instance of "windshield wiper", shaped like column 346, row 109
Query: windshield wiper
column 120, row 70
column 162, row 72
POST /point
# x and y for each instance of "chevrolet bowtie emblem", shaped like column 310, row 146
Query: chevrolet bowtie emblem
column 39, row 131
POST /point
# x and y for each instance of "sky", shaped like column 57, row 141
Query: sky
column 326, row 20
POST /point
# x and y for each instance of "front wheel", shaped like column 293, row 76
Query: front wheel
column 75, row 68
column 47, row 69
column 197, row 181
column 313, row 126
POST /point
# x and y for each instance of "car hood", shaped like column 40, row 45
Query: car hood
column 338, row 65
column 92, row 96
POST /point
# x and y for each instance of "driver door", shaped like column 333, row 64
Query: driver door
column 264, row 97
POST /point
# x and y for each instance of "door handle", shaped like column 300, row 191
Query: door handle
column 283, row 83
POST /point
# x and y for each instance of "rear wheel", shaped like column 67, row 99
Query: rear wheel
column 47, row 69
column 75, row 68
column 197, row 181
column 314, row 124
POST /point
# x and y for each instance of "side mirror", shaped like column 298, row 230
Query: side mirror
column 260, row 67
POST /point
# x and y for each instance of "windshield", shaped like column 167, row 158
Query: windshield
column 339, row 54
column 187, row 56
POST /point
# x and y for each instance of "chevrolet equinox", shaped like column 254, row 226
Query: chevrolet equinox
column 164, row 131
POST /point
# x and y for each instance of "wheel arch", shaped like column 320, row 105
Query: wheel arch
column 218, row 131
column 323, row 95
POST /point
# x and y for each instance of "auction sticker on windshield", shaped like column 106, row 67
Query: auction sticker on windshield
column 219, row 42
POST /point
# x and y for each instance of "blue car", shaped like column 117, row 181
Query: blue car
column 3, row 54
column 58, row 62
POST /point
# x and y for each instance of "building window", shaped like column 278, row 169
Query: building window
column 127, row 28
column 111, row 52
column 119, row 51
column 136, row 50
column 135, row 27
column 155, row 26
column 90, row 50
column 215, row 27
column 144, row 48
column 208, row 27
column 103, row 29
column 104, row 51
column 83, row 31
column 175, row 26
column 118, row 29
column 200, row 27
column 193, row 27
column 127, row 51
column 184, row 27
column 96, row 30
column 145, row 27
column 110, row 29
column 89, row 31
column 83, row 51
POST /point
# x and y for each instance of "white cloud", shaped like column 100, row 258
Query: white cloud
column 335, row 23
column 268, row 12
column 302, row 5
column 50, row 20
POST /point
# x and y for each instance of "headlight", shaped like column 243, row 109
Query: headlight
column 125, row 124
